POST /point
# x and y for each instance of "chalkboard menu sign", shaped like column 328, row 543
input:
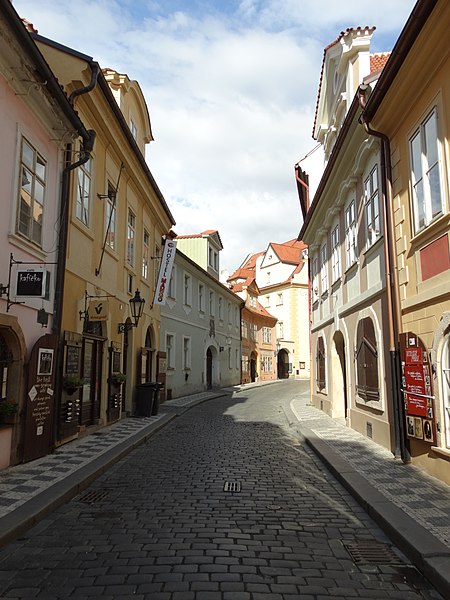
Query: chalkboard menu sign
column 116, row 362
column 73, row 359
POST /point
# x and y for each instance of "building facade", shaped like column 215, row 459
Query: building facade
column 409, row 108
column 116, row 220
column 200, row 329
column 345, row 232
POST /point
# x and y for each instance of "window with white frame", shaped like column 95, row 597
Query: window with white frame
column 279, row 299
column 266, row 364
column 229, row 313
column 323, row 269
column 220, row 307
column 350, row 234
column 170, row 351
column 244, row 329
column 335, row 254
column 267, row 301
column 372, row 207
column 267, row 335
column 426, row 172
column 212, row 303
column 145, row 254
column 253, row 331
column 131, row 235
column 201, row 297
column 111, row 217
column 446, row 386
column 230, row 361
column 280, row 326
column 236, row 316
column 33, row 169
column 186, row 353
column 171, row 293
column 187, row 290
column 84, row 174
column 252, row 301
column 315, row 278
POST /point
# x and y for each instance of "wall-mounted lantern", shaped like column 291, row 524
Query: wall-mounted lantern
column 137, row 308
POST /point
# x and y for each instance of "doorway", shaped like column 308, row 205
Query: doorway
column 339, row 377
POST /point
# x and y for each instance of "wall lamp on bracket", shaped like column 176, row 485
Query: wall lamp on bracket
column 137, row 308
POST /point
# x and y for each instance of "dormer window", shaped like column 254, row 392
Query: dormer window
column 133, row 129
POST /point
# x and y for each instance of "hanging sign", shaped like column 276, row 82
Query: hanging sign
column 98, row 310
column 31, row 283
column 165, row 271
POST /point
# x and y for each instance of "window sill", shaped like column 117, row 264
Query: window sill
column 373, row 246
column 429, row 233
column 26, row 245
column 443, row 452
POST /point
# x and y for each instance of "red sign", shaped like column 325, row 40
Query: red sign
column 413, row 356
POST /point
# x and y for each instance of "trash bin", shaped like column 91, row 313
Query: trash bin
column 145, row 396
column 155, row 408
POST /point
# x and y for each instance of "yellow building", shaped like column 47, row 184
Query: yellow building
column 410, row 110
column 116, row 221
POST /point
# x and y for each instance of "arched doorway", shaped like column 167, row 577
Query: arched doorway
column 282, row 364
column 92, row 367
column 339, row 379
column 253, row 373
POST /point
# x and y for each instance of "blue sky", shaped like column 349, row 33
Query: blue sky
column 231, row 88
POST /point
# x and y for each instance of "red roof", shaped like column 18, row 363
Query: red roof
column 378, row 60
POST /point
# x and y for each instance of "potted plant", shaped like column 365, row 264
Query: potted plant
column 118, row 378
column 8, row 409
column 72, row 383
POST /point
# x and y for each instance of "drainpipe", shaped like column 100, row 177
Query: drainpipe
column 392, row 289
column 88, row 137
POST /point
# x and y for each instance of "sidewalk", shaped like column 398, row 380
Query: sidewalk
column 412, row 507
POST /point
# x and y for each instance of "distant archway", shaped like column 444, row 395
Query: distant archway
column 253, row 372
column 282, row 364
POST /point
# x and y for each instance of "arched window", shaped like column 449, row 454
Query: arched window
column 446, row 387
column 367, row 385
column 320, row 364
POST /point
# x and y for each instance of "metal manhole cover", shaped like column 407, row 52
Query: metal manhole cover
column 372, row 553
column 93, row 496
column 232, row 486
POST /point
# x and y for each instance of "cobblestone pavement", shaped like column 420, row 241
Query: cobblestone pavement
column 224, row 503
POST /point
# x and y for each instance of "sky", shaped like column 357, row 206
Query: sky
column 231, row 87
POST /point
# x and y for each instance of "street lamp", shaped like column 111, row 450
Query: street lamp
column 137, row 308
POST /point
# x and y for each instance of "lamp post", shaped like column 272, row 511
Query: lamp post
column 137, row 308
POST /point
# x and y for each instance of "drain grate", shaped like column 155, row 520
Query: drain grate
column 232, row 486
column 372, row 553
column 93, row 496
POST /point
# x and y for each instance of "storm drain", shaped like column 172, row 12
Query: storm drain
column 232, row 486
column 372, row 553
column 93, row 496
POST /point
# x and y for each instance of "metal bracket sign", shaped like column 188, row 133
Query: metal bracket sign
column 31, row 283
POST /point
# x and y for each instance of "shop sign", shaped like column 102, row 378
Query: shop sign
column 31, row 283
column 417, row 388
column 98, row 310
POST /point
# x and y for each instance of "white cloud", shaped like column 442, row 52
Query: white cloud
column 231, row 97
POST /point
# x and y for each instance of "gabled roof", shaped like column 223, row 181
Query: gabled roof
column 241, row 274
column 290, row 252
column 260, row 310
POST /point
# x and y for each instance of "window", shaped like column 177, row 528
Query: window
column 133, row 129
column 236, row 354
column 186, row 353
column 266, row 364
column 229, row 312
column 245, row 364
column 335, row 254
column 172, row 283
column 111, row 217
column 170, row 351
column 252, row 301
column 323, row 269
column 213, row 259
column 84, row 174
column 230, row 362
column 220, row 302
column 244, row 329
column 145, row 254
column 236, row 316
column 212, row 304
column 267, row 301
column 253, row 331
column 367, row 361
column 201, row 297
column 315, row 281
column 372, row 207
column 446, row 386
column 279, row 299
column 350, row 234
column 131, row 234
column 187, row 290
column 426, row 171
column 32, row 193
column 267, row 335
column 280, row 330
column 268, row 277
column 156, row 263
column 320, row 364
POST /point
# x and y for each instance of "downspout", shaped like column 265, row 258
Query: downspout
column 88, row 137
column 392, row 289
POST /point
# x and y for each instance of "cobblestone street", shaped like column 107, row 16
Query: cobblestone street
column 224, row 503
